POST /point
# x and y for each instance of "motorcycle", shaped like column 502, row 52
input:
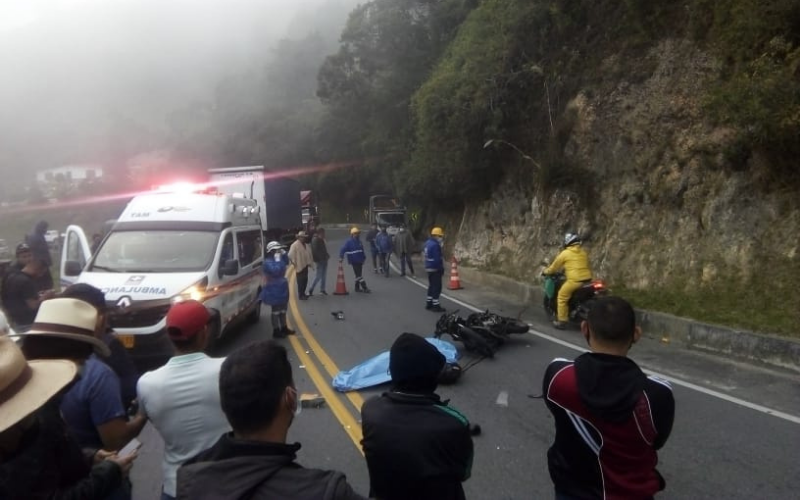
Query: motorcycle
column 581, row 300
column 500, row 325
column 476, row 339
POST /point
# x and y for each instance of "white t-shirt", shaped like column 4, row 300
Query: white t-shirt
column 182, row 402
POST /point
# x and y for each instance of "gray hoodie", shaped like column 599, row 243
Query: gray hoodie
column 237, row 469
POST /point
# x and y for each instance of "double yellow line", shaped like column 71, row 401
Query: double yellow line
column 334, row 400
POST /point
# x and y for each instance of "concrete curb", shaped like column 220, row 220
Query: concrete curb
column 742, row 345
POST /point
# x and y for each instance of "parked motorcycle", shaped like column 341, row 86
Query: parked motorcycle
column 476, row 339
column 581, row 300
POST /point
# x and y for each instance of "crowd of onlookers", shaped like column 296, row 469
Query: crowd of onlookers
column 72, row 405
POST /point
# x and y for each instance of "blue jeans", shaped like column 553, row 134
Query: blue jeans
column 319, row 277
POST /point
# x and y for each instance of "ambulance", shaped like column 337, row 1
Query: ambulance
column 167, row 246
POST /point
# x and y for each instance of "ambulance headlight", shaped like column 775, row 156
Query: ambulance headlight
column 194, row 292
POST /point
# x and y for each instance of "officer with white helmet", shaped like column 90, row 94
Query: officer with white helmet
column 275, row 291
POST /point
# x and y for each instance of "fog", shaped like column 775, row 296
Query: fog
column 80, row 75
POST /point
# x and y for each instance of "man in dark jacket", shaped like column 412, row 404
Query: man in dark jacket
column 372, row 234
column 610, row 417
column 416, row 445
column 319, row 251
column 385, row 248
column 404, row 245
column 260, row 401
column 21, row 295
column 41, row 251
column 38, row 457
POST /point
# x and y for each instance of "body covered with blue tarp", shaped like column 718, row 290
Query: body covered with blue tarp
column 375, row 371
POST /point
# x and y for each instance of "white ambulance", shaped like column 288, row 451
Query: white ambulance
column 170, row 246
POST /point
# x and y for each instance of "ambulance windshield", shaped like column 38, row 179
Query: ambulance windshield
column 156, row 251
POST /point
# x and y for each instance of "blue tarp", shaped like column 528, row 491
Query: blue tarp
column 375, row 371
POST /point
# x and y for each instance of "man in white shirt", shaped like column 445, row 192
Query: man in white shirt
column 181, row 398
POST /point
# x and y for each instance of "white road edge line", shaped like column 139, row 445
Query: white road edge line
column 725, row 397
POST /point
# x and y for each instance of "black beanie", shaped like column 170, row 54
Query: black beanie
column 414, row 359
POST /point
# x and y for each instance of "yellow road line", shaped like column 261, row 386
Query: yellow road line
column 354, row 397
column 349, row 423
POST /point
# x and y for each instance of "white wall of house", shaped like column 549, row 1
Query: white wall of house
column 73, row 173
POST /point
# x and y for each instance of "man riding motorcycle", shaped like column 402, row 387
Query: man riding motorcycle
column 575, row 262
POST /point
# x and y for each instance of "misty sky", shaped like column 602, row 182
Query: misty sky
column 71, row 66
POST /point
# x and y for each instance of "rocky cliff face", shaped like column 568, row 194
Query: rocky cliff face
column 671, row 203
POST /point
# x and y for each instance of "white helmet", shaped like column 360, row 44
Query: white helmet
column 571, row 239
column 273, row 245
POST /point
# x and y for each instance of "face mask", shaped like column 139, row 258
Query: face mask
column 298, row 407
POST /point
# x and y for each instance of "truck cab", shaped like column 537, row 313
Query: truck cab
column 167, row 247
column 385, row 210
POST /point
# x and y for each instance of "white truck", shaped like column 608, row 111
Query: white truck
column 168, row 247
column 277, row 195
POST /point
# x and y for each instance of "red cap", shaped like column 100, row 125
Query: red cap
column 186, row 319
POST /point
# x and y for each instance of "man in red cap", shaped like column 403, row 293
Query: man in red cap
column 181, row 398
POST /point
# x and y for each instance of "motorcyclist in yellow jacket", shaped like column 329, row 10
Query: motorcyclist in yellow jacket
column 575, row 262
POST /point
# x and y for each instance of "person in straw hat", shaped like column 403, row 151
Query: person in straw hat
column 92, row 408
column 37, row 457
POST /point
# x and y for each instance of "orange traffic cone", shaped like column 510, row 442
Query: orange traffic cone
column 341, row 287
column 455, row 282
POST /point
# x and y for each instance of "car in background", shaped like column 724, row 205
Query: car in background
column 5, row 252
column 52, row 237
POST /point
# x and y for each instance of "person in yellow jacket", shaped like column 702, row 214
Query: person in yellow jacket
column 575, row 262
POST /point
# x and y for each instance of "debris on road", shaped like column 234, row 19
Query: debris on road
column 311, row 400
column 502, row 399
column 339, row 315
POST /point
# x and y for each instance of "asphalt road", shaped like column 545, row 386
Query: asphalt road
column 736, row 433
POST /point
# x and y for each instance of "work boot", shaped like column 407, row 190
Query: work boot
column 287, row 331
column 323, row 292
column 278, row 333
column 428, row 305
column 437, row 309
column 311, row 292
column 559, row 325
column 364, row 288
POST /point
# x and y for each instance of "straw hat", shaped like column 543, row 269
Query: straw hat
column 71, row 319
column 27, row 385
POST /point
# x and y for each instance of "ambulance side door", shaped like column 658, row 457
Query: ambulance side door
column 74, row 255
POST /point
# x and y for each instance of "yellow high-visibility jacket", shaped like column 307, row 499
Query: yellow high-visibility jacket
column 575, row 262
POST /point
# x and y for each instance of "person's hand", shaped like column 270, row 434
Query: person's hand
column 47, row 294
column 125, row 463
column 101, row 455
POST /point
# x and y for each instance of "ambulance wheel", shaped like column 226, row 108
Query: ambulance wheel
column 255, row 315
column 214, row 334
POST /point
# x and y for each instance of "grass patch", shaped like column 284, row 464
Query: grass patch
column 747, row 308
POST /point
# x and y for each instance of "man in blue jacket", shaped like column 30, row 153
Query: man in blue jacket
column 355, row 257
column 385, row 249
column 434, row 266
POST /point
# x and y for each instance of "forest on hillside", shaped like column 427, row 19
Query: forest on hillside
column 438, row 99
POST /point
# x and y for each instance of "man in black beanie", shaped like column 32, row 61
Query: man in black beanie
column 416, row 445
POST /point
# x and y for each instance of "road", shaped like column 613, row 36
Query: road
column 736, row 432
